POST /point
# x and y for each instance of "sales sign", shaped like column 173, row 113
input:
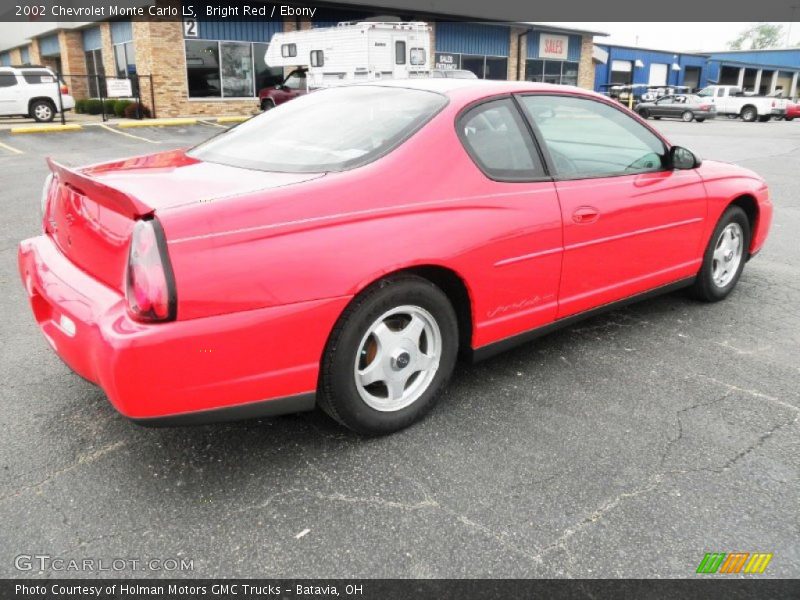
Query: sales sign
column 553, row 46
column 445, row 61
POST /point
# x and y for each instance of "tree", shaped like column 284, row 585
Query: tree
column 758, row 37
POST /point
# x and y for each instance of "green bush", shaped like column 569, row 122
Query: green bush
column 109, row 105
column 80, row 106
column 134, row 110
column 93, row 106
column 119, row 107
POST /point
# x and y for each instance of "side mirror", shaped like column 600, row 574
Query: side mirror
column 681, row 158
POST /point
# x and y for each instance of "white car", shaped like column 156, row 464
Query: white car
column 32, row 92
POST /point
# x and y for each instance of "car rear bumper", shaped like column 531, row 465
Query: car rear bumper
column 699, row 114
column 238, row 365
column 778, row 112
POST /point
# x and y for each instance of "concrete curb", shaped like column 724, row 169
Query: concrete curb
column 239, row 119
column 155, row 123
column 46, row 128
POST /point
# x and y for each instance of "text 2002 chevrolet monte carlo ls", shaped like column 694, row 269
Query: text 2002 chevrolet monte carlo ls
column 343, row 248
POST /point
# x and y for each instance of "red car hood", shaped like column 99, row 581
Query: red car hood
column 170, row 179
column 714, row 169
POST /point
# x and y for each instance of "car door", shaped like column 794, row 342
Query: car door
column 521, row 217
column 661, row 108
column 10, row 95
column 630, row 222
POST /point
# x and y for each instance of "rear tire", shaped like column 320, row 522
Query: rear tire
column 43, row 111
column 724, row 257
column 749, row 114
column 378, row 376
column 700, row 120
column 764, row 118
column 657, row 118
column 687, row 116
column 788, row 118
column 644, row 113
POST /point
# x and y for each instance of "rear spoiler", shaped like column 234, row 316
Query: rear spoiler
column 99, row 192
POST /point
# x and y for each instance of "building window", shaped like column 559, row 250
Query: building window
column 125, row 60
column 288, row 50
column 228, row 69
column 621, row 72
column 417, row 56
column 96, row 73
column 486, row 67
column 202, row 69
column 399, row 52
column 317, row 58
column 552, row 71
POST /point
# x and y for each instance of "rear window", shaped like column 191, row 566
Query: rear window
column 7, row 79
column 38, row 76
column 328, row 130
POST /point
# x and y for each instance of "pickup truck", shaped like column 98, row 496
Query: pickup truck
column 295, row 84
column 732, row 101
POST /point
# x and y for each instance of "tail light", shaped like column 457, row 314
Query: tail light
column 150, row 284
column 64, row 88
column 705, row 107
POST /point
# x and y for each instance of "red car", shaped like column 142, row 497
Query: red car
column 293, row 86
column 792, row 111
column 343, row 249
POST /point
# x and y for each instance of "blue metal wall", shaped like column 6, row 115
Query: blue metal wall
column 239, row 31
column 92, row 39
column 5, row 59
column 767, row 58
column 573, row 51
column 602, row 73
column 121, row 32
column 472, row 38
column 48, row 46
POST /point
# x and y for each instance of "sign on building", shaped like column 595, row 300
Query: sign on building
column 118, row 88
column 446, row 61
column 553, row 46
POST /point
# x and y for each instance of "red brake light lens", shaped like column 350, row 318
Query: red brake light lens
column 150, row 285
column 64, row 89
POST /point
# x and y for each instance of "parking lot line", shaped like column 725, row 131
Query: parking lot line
column 210, row 124
column 130, row 135
column 10, row 148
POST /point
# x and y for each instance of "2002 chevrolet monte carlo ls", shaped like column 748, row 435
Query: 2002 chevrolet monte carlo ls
column 343, row 248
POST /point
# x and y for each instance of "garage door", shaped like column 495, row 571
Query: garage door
column 658, row 74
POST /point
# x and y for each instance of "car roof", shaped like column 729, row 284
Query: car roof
column 479, row 87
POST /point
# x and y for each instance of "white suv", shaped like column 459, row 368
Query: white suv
column 32, row 92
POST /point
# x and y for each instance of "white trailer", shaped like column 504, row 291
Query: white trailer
column 352, row 52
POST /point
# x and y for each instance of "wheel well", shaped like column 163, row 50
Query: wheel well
column 456, row 291
column 44, row 98
column 750, row 207
column 746, row 106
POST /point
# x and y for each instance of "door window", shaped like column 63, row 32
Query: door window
column 496, row 138
column 399, row 52
column 296, row 81
column 7, row 79
column 587, row 138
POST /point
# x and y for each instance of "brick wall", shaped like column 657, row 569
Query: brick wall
column 513, row 65
column 73, row 62
column 16, row 57
column 109, row 64
column 160, row 52
column 586, row 64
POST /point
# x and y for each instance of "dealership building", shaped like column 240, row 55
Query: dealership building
column 761, row 71
column 216, row 66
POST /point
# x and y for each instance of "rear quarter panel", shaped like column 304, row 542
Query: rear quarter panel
column 423, row 204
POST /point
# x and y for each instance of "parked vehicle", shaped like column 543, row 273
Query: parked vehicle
column 295, row 84
column 792, row 111
column 351, row 52
column 686, row 107
column 453, row 74
column 731, row 100
column 653, row 93
column 344, row 248
column 32, row 92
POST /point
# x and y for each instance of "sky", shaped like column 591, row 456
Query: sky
column 679, row 37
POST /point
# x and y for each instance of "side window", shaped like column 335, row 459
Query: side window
column 296, row 80
column 417, row 56
column 496, row 138
column 288, row 50
column 588, row 138
column 317, row 58
column 7, row 79
column 399, row 52
column 38, row 76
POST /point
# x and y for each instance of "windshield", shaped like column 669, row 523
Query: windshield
column 706, row 93
column 329, row 130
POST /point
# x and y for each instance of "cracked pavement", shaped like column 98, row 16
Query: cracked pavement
column 626, row 446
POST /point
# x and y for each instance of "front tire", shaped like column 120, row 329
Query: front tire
column 267, row 104
column 644, row 113
column 724, row 257
column 390, row 354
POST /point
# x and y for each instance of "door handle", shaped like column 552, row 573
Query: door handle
column 585, row 214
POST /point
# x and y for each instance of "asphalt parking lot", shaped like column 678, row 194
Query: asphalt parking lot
column 626, row 446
